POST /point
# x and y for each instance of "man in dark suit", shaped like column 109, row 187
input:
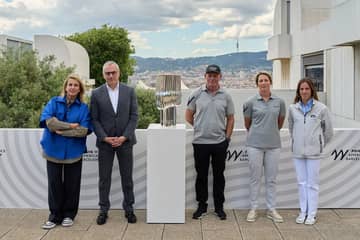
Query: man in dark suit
column 114, row 116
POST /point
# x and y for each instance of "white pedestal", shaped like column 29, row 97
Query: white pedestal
column 165, row 174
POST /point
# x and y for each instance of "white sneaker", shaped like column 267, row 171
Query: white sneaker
column 251, row 217
column 48, row 225
column 310, row 220
column 301, row 218
column 67, row 222
column 275, row 216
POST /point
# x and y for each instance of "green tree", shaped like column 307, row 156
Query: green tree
column 104, row 44
column 147, row 110
column 26, row 84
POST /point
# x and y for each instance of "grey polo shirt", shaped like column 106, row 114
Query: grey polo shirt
column 210, row 115
column 264, row 129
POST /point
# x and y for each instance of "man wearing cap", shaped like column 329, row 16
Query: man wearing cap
column 211, row 111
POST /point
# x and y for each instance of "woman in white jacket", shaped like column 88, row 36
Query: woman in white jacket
column 310, row 130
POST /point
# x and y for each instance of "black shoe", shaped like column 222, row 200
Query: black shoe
column 130, row 217
column 101, row 219
column 200, row 212
column 221, row 214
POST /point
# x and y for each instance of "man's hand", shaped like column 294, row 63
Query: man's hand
column 109, row 140
column 115, row 141
column 118, row 141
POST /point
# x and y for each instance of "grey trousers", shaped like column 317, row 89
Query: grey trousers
column 260, row 159
column 125, row 159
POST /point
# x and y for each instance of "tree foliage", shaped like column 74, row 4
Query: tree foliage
column 147, row 110
column 26, row 84
column 104, row 44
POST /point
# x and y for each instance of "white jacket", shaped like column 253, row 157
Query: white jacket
column 311, row 132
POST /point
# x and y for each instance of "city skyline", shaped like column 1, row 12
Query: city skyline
column 161, row 28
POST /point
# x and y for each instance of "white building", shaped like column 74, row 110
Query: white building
column 66, row 52
column 14, row 42
column 319, row 39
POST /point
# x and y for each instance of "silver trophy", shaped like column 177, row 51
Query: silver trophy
column 168, row 96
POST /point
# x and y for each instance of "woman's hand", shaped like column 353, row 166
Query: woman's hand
column 74, row 125
column 59, row 132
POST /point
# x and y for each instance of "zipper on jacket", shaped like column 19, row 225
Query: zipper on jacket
column 299, row 108
column 321, row 147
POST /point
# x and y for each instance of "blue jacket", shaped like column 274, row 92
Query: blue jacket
column 55, row 145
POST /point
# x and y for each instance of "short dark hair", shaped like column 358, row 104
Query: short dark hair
column 262, row 73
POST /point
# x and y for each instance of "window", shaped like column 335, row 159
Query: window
column 12, row 43
column 316, row 73
column 313, row 67
column 25, row 46
column 288, row 17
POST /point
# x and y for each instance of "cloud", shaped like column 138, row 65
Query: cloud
column 218, row 17
column 204, row 51
column 135, row 15
column 258, row 26
column 138, row 41
column 209, row 37
column 227, row 19
column 261, row 26
column 6, row 25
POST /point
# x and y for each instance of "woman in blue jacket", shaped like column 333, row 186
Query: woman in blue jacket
column 310, row 129
column 66, row 122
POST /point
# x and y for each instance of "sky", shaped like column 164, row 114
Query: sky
column 157, row 28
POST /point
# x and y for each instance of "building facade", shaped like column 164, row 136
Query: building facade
column 14, row 42
column 66, row 52
column 321, row 40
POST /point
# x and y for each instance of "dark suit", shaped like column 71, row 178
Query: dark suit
column 107, row 123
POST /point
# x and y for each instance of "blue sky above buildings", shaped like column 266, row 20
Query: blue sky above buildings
column 158, row 28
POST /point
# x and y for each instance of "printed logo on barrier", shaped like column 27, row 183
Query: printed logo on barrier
column 236, row 155
column 348, row 154
column 90, row 156
column 2, row 152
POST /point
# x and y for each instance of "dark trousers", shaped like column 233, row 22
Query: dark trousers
column 63, row 190
column 202, row 155
column 125, row 159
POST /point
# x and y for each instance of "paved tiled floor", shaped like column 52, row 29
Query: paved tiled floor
column 339, row 224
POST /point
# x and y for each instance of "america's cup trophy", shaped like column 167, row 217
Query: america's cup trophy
column 168, row 96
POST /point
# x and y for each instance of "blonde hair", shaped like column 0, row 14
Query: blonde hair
column 76, row 77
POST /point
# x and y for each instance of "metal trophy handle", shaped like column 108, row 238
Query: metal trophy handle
column 168, row 96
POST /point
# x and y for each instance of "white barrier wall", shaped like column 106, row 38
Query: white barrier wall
column 23, row 181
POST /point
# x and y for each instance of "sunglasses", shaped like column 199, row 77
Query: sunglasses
column 110, row 73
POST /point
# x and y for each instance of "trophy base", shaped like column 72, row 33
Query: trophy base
column 168, row 117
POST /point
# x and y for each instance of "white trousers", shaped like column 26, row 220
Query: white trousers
column 260, row 159
column 307, row 172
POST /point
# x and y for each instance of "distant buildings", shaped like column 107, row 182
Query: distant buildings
column 195, row 77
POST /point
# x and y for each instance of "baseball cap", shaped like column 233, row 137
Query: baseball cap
column 213, row 69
